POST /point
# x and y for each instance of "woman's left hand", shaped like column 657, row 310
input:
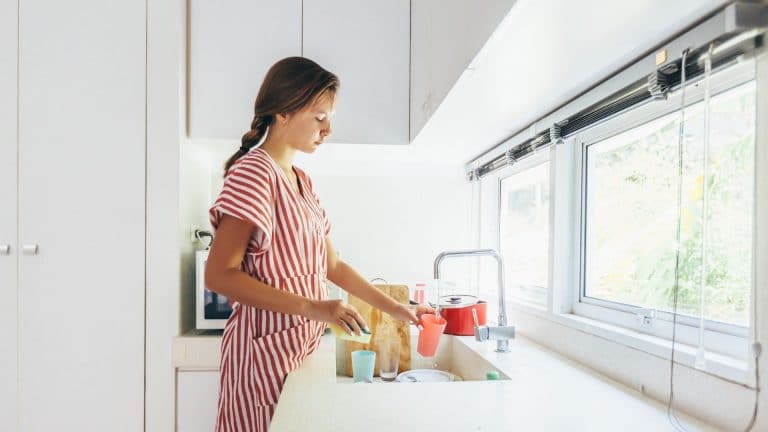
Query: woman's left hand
column 412, row 314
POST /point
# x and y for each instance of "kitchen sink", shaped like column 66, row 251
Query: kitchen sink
column 452, row 356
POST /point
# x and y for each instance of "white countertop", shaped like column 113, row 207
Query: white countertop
column 545, row 392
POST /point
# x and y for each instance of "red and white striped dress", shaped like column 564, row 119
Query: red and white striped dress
column 286, row 251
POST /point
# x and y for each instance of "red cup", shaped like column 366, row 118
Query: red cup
column 429, row 338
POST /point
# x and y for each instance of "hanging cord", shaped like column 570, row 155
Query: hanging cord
column 756, row 351
column 701, row 360
column 676, row 287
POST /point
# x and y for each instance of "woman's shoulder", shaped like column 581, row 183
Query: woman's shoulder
column 255, row 162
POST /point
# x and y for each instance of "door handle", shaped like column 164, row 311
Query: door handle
column 30, row 249
column 5, row 249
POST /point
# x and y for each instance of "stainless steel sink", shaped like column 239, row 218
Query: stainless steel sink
column 452, row 356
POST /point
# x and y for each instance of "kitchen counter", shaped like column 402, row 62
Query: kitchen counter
column 545, row 392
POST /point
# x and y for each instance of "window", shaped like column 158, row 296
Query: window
column 630, row 214
column 524, row 227
column 589, row 233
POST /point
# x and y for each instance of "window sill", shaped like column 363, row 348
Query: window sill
column 718, row 365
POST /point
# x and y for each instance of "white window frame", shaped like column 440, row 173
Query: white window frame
column 529, row 162
column 721, row 338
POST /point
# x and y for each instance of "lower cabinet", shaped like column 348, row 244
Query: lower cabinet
column 197, row 394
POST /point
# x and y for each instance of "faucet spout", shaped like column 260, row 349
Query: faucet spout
column 502, row 342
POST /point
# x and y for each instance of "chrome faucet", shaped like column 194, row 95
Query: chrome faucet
column 501, row 333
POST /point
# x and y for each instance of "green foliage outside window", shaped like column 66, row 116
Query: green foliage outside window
column 632, row 211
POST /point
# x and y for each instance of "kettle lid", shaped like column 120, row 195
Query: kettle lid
column 457, row 301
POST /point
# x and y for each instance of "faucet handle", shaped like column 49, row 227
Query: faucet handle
column 481, row 333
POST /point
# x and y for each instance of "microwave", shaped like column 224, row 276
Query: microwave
column 211, row 309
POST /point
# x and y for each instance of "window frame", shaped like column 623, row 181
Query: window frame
column 720, row 337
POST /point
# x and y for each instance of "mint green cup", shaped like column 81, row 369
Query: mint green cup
column 362, row 365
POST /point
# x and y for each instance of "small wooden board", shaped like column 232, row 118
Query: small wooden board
column 382, row 324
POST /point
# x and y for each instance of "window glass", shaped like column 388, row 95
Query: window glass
column 631, row 211
column 524, row 234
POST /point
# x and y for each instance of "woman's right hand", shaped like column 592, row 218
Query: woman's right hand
column 339, row 313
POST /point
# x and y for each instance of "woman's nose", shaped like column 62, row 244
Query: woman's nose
column 326, row 130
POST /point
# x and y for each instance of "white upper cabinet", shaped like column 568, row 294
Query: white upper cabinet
column 366, row 43
column 396, row 59
column 232, row 44
column 8, row 223
column 445, row 36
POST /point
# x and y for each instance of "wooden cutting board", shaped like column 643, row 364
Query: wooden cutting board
column 382, row 324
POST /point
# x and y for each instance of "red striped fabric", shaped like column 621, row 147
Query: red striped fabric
column 287, row 251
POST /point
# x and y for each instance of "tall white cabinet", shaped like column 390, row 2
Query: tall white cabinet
column 73, row 282
column 8, row 223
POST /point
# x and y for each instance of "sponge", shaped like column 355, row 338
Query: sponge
column 365, row 336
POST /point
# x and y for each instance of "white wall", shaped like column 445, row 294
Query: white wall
column 393, row 226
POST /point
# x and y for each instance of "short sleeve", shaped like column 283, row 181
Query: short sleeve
column 323, row 214
column 248, row 195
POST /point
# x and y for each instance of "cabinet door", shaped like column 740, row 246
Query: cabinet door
column 197, row 399
column 232, row 44
column 8, row 224
column 81, row 201
column 365, row 43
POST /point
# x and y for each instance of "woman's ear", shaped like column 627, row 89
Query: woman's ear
column 282, row 118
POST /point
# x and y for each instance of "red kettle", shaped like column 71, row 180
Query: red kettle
column 457, row 311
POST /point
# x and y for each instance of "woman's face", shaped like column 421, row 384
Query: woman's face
column 307, row 128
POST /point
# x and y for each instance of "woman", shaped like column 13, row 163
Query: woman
column 271, row 253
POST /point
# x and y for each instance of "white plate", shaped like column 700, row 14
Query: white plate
column 425, row 375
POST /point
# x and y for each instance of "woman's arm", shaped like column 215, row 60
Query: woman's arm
column 223, row 276
column 343, row 275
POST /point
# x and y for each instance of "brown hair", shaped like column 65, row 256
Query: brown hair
column 290, row 85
